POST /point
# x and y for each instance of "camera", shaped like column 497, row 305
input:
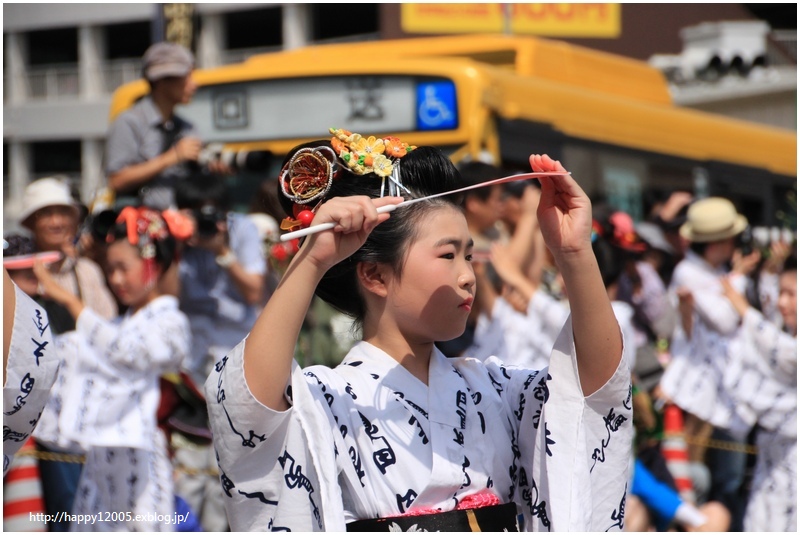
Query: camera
column 207, row 218
column 745, row 241
column 256, row 161
column 762, row 238
column 100, row 223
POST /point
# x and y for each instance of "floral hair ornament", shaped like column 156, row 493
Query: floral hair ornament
column 309, row 174
column 624, row 233
column 144, row 226
column 372, row 155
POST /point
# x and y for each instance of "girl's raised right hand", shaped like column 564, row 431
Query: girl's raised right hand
column 355, row 217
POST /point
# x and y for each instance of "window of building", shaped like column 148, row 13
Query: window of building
column 257, row 28
column 338, row 21
column 128, row 40
column 47, row 47
column 56, row 157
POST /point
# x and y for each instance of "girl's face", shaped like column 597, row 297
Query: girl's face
column 432, row 299
column 127, row 275
column 787, row 300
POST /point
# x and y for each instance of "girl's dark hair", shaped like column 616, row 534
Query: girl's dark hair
column 166, row 248
column 424, row 171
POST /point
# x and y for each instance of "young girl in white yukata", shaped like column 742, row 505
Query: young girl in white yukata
column 109, row 406
column 766, row 394
column 398, row 437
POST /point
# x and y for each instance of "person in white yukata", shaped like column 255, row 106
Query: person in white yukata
column 766, row 394
column 398, row 437
column 110, row 405
column 30, row 367
column 700, row 362
column 523, row 322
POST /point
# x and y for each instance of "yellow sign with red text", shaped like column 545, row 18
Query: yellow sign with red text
column 553, row 20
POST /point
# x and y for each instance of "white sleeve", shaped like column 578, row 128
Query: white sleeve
column 778, row 347
column 158, row 345
column 30, row 373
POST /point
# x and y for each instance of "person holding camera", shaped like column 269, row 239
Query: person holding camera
column 149, row 148
column 221, row 273
column 701, row 364
column 220, row 286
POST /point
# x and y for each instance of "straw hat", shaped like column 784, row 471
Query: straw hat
column 42, row 193
column 712, row 219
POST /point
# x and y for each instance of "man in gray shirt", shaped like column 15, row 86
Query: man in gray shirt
column 148, row 147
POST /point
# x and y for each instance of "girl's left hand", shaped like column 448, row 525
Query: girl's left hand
column 565, row 212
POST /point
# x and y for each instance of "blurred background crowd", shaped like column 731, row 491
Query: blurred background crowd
column 679, row 122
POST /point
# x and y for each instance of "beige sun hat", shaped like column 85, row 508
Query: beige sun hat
column 712, row 219
column 50, row 191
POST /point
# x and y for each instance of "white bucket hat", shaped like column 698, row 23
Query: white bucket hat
column 654, row 236
column 45, row 192
column 712, row 219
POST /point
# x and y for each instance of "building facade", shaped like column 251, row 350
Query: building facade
column 64, row 61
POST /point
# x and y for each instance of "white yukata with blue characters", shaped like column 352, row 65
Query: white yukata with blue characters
column 764, row 388
column 31, row 370
column 368, row 440
column 111, row 412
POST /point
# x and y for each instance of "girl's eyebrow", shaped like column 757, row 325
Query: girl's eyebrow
column 454, row 242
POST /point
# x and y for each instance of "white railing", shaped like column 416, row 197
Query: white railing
column 120, row 72
column 53, row 82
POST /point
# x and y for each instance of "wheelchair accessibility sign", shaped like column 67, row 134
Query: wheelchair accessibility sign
column 436, row 106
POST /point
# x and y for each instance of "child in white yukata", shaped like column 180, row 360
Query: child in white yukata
column 398, row 437
column 766, row 395
column 110, row 405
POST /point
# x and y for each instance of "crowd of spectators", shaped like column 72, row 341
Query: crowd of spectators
column 708, row 318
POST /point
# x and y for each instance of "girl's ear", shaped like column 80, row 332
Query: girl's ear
column 371, row 275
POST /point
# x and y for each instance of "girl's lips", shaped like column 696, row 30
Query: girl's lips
column 467, row 304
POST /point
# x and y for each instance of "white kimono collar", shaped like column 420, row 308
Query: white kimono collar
column 437, row 399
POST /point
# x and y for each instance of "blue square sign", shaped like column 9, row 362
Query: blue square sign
column 436, row 106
